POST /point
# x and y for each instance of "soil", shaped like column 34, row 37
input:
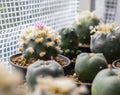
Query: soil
column 75, row 78
column 85, row 45
column 118, row 64
column 22, row 61
column 73, row 60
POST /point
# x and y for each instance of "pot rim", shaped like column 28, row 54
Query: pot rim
column 62, row 56
column 114, row 64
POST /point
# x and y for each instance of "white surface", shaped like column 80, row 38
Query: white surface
column 108, row 10
column 85, row 5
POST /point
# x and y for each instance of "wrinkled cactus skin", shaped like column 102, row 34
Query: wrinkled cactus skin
column 69, row 42
column 43, row 69
column 88, row 65
column 107, row 43
column 83, row 25
column 108, row 80
column 39, row 42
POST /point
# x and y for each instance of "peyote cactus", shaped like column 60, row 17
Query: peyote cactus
column 43, row 69
column 84, row 23
column 88, row 65
column 69, row 42
column 107, row 82
column 106, row 40
column 40, row 42
column 59, row 86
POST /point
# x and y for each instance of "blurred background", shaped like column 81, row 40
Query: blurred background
column 16, row 15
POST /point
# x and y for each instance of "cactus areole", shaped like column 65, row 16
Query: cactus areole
column 69, row 42
column 106, row 40
column 40, row 42
column 83, row 25
column 88, row 65
column 43, row 69
column 107, row 82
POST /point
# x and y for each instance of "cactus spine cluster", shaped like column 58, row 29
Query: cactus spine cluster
column 83, row 25
column 40, row 42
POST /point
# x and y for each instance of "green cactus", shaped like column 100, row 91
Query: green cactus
column 43, row 69
column 107, row 82
column 88, row 65
column 83, row 25
column 40, row 42
column 106, row 40
column 69, row 42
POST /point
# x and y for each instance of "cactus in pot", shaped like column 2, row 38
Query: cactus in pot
column 88, row 65
column 83, row 25
column 43, row 69
column 106, row 40
column 69, row 42
column 39, row 42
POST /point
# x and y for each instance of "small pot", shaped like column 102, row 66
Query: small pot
column 23, row 70
column 86, row 85
column 70, row 67
column 114, row 64
column 85, row 48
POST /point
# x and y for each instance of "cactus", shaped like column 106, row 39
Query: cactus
column 83, row 25
column 40, row 42
column 107, row 82
column 69, row 42
column 59, row 86
column 43, row 68
column 106, row 40
column 88, row 65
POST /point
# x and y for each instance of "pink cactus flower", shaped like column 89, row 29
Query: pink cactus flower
column 39, row 25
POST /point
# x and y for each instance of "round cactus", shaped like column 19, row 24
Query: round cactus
column 83, row 25
column 43, row 69
column 40, row 42
column 69, row 42
column 88, row 65
column 106, row 40
column 107, row 82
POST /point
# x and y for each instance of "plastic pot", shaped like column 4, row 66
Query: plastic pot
column 23, row 70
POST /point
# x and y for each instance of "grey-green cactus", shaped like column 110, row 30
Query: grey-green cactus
column 69, row 42
column 83, row 25
column 106, row 40
column 88, row 65
column 43, row 69
column 40, row 42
